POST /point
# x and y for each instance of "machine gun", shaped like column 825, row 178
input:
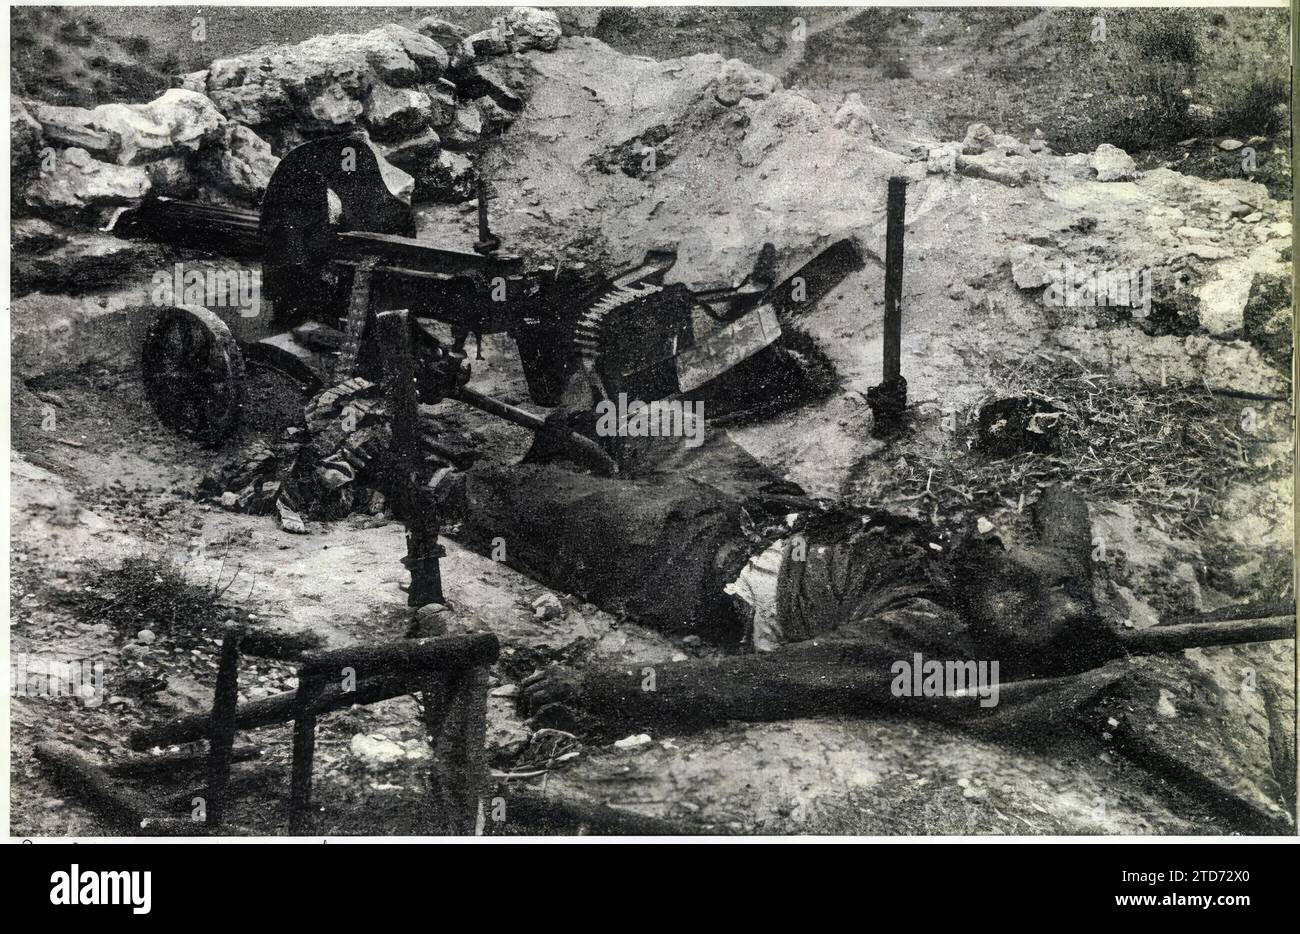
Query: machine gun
column 337, row 246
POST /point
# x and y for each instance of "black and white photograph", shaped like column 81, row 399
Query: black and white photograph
column 649, row 421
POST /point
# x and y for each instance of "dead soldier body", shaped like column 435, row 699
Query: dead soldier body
column 829, row 602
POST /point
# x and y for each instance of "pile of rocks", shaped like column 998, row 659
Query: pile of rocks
column 427, row 97
column 76, row 160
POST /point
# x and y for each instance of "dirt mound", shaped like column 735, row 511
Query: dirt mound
column 616, row 154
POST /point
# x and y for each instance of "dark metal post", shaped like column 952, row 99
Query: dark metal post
column 412, row 499
column 456, row 718
column 888, row 401
column 354, row 325
column 487, row 241
column 894, row 278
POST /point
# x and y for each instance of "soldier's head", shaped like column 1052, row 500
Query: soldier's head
column 1031, row 602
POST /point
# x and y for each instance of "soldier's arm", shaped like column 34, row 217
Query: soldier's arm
column 817, row 677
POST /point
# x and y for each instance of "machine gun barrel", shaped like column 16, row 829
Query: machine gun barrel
column 236, row 232
column 215, row 227
column 422, row 256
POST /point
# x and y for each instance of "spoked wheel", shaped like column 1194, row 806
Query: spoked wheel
column 194, row 374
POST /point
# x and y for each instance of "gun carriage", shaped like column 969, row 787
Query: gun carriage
column 337, row 246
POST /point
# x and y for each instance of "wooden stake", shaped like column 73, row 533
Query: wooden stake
column 225, row 706
column 70, row 767
column 304, row 754
column 465, row 754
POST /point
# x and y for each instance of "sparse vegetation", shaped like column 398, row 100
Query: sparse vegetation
column 1262, row 106
column 1171, row 36
column 137, row 45
column 1174, row 449
column 1269, row 318
column 895, row 68
column 1131, row 73
column 151, row 593
column 1140, row 79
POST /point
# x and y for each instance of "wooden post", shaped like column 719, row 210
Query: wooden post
column 553, row 813
column 279, row 708
column 465, row 754
column 129, row 811
column 304, row 753
column 441, row 653
column 72, row 768
column 272, row 643
column 174, row 763
column 1178, row 636
column 437, row 695
column 221, row 738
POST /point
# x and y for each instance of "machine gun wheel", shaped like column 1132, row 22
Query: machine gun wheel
column 194, row 374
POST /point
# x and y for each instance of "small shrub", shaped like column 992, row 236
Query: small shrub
column 148, row 593
column 1169, row 35
column 1260, row 106
column 896, row 68
column 1267, row 318
column 74, row 33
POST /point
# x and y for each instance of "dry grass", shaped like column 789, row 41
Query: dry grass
column 1172, row 448
column 155, row 594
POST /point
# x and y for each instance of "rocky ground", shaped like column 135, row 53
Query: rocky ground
column 1177, row 420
